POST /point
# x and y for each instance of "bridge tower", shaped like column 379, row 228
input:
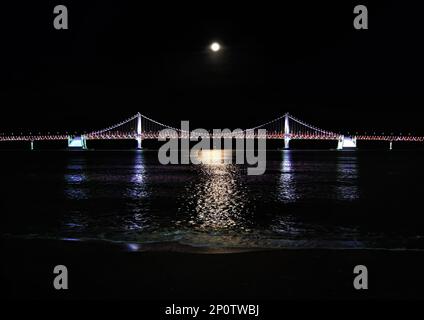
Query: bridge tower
column 286, row 131
column 139, row 130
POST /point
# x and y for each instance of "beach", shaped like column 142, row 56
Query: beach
column 174, row 272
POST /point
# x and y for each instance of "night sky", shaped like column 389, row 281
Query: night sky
column 120, row 57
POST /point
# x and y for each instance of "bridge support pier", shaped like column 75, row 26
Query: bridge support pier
column 340, row 143
column 139, row 143
column 77, row 142
column 32, row 145
column 346, row 143
column 391, row 145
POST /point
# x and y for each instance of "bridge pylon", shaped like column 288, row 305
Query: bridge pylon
column 138, row 131
column 286, row 131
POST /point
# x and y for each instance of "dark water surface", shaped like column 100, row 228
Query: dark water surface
column 314, row 199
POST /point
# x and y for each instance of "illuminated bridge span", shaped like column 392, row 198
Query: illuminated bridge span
column 140, row 127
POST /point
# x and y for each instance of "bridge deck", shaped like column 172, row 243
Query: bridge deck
column 155, row 136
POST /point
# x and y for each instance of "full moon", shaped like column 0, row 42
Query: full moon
column 215, row 46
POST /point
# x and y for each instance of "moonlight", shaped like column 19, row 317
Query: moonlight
column 215, row 47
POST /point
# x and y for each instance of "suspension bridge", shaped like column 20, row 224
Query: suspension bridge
column 140, row 127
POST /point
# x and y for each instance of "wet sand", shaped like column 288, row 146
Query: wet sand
column 174, row 272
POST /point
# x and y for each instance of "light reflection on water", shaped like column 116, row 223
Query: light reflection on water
column 303, row 196
column 136, row 188
column 303, row 181
column 75, row 178
column 218, row 198
column 214, row 157
column 128, row 181
column 287, row 186
column 347, row 178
